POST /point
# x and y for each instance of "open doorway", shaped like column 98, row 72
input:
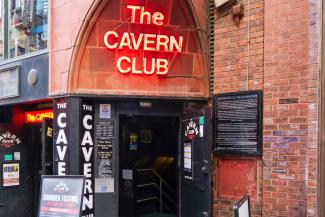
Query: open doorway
column 148, row 171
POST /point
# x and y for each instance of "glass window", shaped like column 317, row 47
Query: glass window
column 25, row 29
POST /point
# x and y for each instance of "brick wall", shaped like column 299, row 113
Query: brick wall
column 291, row 94
column 283, row 61
column 239, row 66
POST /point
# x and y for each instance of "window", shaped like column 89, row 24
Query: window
column 23, row 27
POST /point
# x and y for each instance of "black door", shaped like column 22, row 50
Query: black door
column 14, row 175
column 195, row 161
column 47, row 146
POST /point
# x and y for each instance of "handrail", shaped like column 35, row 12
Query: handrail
column 169, row 198
column 157, row 187
column 169, row 209
column 160, row 178
column 147, row 199
column 148, row 184
column 157, row 199
column 160, row 188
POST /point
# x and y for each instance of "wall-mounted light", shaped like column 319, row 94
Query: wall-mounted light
column 145, row 104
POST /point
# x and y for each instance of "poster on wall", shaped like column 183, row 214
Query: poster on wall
column 105, row 156
column 10, row 174
column 61, row 196
column 188, row 174
column 238, row 123
column 105, row 111
column 133, row 144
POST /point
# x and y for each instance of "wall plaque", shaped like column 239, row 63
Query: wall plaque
column 238, row 123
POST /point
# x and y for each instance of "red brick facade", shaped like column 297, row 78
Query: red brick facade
column 274, row 48
column 278, row 54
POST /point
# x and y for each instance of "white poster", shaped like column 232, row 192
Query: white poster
column 127, row 174
column 16, row 155
column 10, row 175
column 188, row 157
column 105, row 111
column 104, row 185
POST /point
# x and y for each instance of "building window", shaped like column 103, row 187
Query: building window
column 23, row 27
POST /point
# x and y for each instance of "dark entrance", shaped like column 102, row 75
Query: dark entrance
column 20, row 171
column 148, row 170
column 22, row 162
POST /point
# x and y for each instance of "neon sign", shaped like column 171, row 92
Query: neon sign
column 37, row 116
column 143, row 41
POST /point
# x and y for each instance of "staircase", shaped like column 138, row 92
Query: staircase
column 158, row 215
column 154, row 196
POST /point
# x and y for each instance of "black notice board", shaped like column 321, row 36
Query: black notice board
column 61, row 196
column 238, row 123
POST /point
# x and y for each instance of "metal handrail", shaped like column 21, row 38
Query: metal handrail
column 161, row 192
column 157, row 199
column 169, row 209
column 160, row 178
column 147, row 199
column 148, row 184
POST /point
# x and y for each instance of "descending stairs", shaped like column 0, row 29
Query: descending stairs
column 154, row 195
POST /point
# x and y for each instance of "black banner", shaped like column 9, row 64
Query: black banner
column 87, row 156
column 238, row 123
column 61, row 137
column 61, row 196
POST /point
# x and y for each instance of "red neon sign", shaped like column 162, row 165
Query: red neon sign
column 144, row 41
column 33, row 117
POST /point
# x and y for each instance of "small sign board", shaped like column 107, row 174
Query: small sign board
column 238, row 123
column 61, row 196
column 242, row 208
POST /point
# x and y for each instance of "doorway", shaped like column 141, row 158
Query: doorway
column 148, row 166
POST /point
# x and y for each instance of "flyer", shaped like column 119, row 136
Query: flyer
column 10, row 174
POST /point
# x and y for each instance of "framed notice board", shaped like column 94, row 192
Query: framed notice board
column 238, row 123
column 61, row 196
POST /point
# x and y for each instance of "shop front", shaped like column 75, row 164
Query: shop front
column 25, row 134
column 134, row 116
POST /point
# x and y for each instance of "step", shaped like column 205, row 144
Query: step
column 158, row 215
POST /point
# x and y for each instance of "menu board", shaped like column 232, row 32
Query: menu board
column 238, row 123
column 105, row 156
column 105, row 130
column 61, row 196
column 105, row 140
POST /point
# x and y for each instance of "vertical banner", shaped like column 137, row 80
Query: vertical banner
column 60, row 137
column 87, row 156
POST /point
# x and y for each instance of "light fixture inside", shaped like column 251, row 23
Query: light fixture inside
column 145, row 104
